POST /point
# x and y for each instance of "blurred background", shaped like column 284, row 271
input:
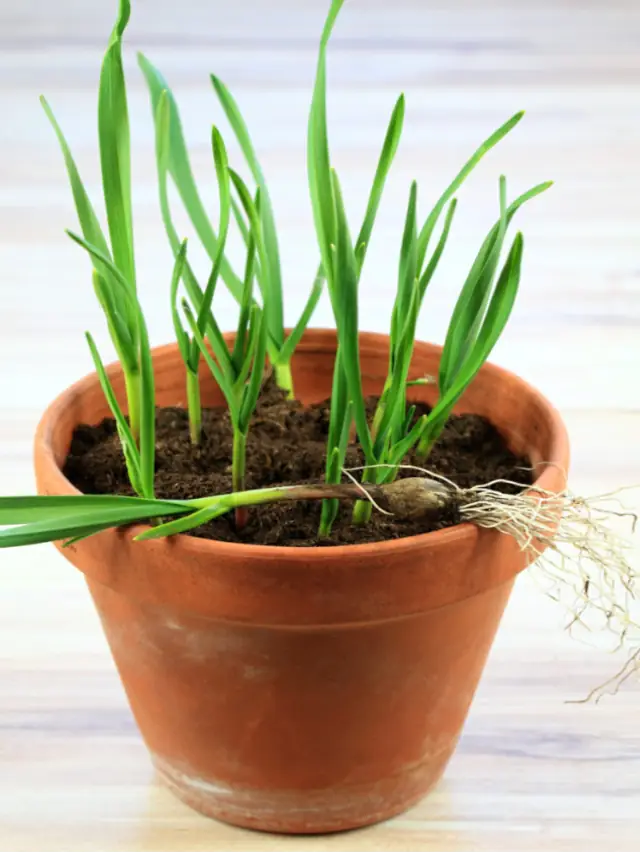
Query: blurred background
column 465, row 67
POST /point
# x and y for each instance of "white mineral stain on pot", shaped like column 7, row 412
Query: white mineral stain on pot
column 213, row 796
column 199, row 641
column 188, row 781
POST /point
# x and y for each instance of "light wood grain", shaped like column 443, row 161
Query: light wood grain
column 531, row 772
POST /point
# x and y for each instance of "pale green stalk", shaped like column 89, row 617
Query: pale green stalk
column 194, row 406
column 238, row 467
column 132, row 391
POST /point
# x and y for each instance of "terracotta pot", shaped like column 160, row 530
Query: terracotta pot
column 303, row 689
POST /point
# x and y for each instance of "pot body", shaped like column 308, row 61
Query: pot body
column 303, row 689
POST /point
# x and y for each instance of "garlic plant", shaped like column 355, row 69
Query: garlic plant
column 481, row 312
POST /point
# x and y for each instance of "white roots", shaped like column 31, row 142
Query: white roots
column 582, row 560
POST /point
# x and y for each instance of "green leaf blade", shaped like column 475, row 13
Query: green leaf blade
column 57, row 527
column 387, row 155
column 171, row 143
column 252, row 390
column 129, row 446
column 222, row 173
column 463, row 174
column 344, row 298
column 86, row 214
column 27, row 509
column 181, row 336
column 468, row 312
column 115, row 148
column 222, row 374
column 272, row 274
column 295, row 336
column 184, row 524
column 318, row 157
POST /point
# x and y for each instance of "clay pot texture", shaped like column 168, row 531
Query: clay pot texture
column 303, row 689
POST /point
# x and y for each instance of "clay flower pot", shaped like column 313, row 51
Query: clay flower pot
column 303, row 689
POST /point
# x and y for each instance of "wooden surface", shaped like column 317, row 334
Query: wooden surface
column 531, row 772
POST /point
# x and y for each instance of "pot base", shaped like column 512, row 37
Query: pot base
column 310, row 812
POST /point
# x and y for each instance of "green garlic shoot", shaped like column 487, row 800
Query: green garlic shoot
column 114, row 278
column 239, row 369
column 189, row 348
column 478, row 321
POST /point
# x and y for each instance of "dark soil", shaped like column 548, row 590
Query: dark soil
column 286, row 445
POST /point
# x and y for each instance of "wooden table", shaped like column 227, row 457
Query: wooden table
column 531, row 772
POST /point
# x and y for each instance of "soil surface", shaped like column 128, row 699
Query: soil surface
column 286, row 445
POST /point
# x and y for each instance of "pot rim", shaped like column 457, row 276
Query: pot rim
column 552, row 477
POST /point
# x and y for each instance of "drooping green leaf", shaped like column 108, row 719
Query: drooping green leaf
column 194, row 291
column 86, row 214
column 170, row 137
column 58, row 529
column 162, row 117
column 272, row 271
column 85, row 533
column 55, row 527
column 123, row 301
column 118, row 329
column 26, row 509
column 127, row 293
